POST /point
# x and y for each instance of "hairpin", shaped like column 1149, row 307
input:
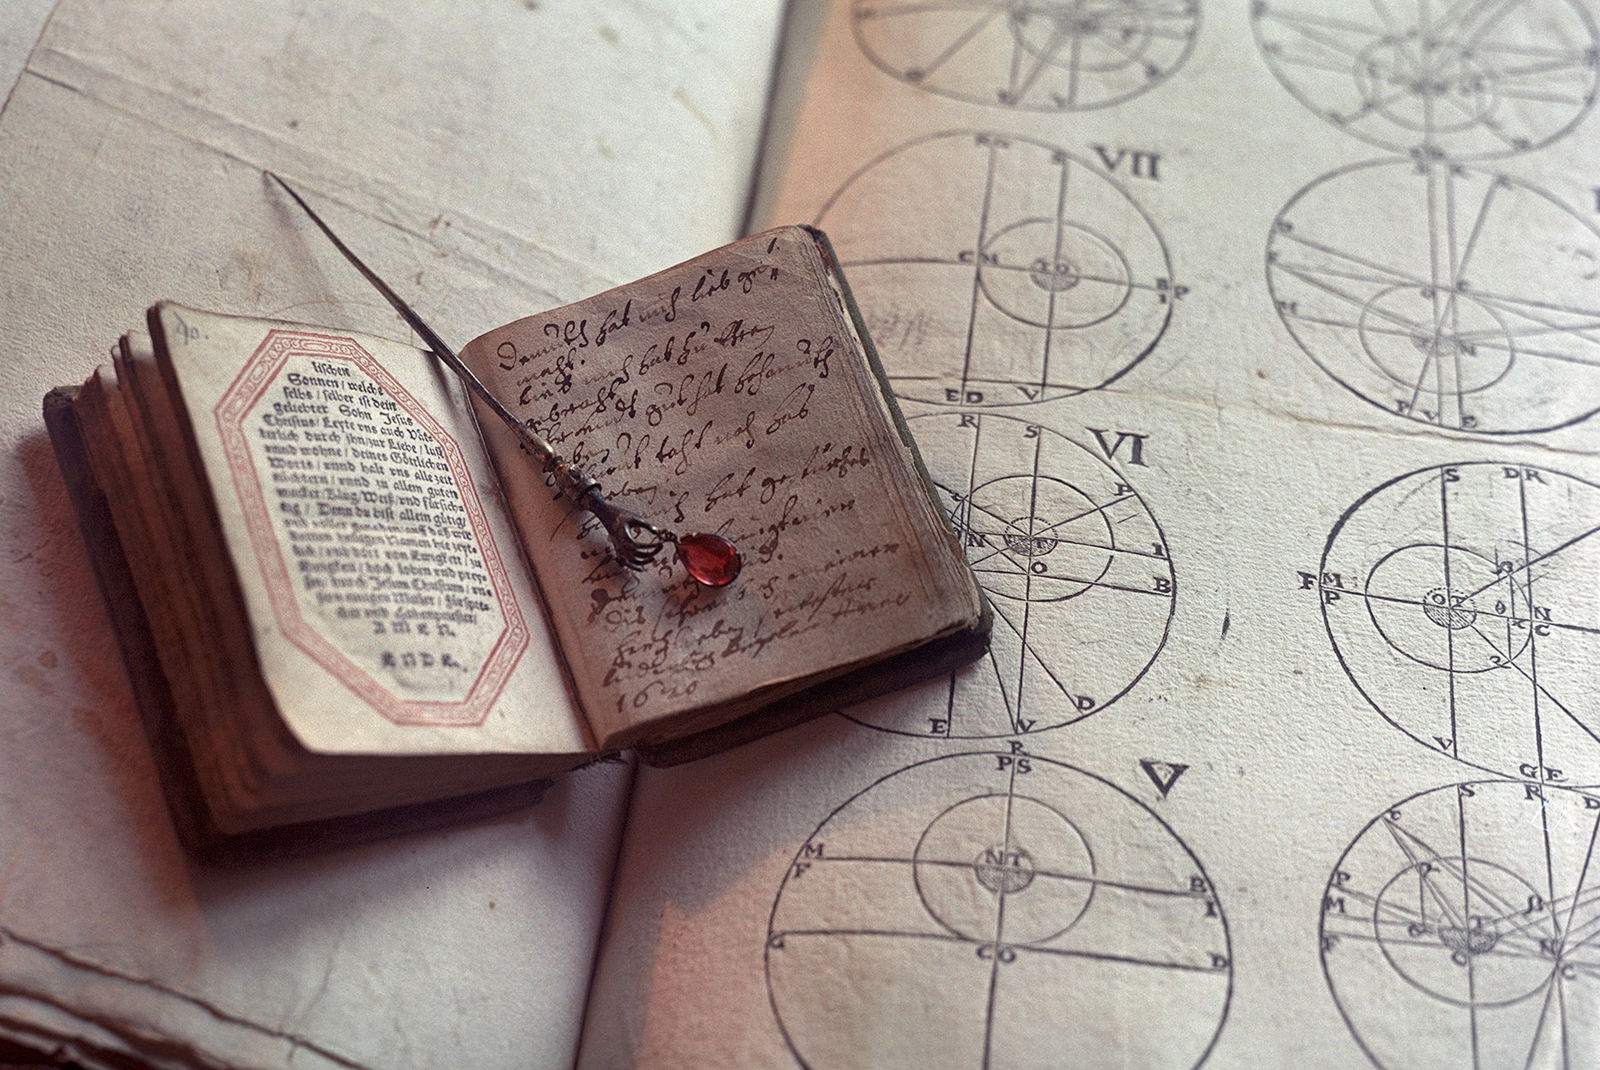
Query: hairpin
column 710, row 560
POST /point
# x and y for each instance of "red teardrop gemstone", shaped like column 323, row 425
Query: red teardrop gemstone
column 710, row 559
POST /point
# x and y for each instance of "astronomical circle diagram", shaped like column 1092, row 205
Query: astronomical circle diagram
column 1075, row 567
column 1036, row 55
column 1468, row 80
column 978, row 881
column 1470, row 913
column 1460, row 600
column 1443, row 294
column 1040, row 278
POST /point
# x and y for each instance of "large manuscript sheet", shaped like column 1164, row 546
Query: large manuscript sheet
column 1253, row 347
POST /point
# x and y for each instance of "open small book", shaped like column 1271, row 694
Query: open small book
column 357, row 601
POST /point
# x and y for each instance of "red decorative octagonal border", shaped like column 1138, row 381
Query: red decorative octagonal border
column 259, row 373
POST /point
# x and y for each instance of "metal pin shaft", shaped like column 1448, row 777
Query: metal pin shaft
column 635, row 540
column 542, row 449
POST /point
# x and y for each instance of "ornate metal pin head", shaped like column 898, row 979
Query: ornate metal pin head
column 710, row 560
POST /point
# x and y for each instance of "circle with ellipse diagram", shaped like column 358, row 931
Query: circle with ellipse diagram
column 988, row 909
column 1075, row 567
column 1454, row 81
column 1461, row 602
column 998, row 270
column 1443, row 294
column 1470, row 913
column 1039, row 55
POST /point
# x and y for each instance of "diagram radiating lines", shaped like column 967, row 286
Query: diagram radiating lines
column 1472, row 914
column 1043, row 280
column 1452, row 305
column 1439, row 79
column 979, row 880
column 1039, row 55
column 1076, row 570
column 1460, row 600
